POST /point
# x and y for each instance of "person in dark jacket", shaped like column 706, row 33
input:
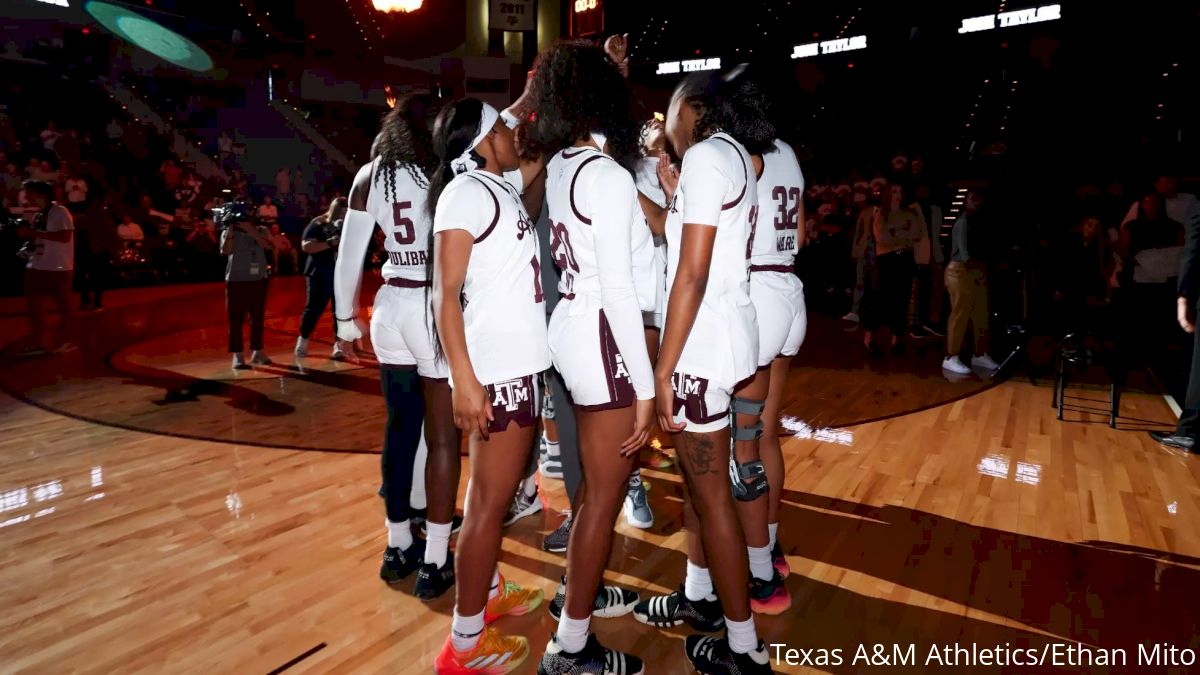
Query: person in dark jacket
column 1184, row 435
column 320, row 241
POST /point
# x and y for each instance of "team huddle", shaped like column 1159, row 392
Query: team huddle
column 698, row 253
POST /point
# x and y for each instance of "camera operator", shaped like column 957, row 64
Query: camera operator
column 51, row 267
column 320, row 241
column 245, row 245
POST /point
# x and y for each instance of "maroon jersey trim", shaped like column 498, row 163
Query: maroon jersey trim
column 745, row 183
column 580, row 216
column 496, row 218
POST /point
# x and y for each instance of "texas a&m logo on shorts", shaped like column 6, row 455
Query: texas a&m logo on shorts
column 513, row 401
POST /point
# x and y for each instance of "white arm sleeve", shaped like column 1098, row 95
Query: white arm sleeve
column 612, row 200
column 347, row 272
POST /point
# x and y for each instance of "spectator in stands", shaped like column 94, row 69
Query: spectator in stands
column 283, row 182
column 46, row 172
column 284, row 250
column 129, row 230
column 1181, row 207
column 967, row 281
column 171, row 175
column 268, row 213
column 114, row 131
column 50, row 136
column 77, row 192
column 202, row 246
column 320, row 241
column 1151, row 247
column 896, row 230
column 98, row 246
column 931, row 260
column 51, row 268
column 1081, row 270
column 246, row 247
column 12, row 181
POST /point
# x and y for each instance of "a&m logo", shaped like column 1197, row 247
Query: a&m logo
column 524, row 225
column 511, row 394
column 686, row 386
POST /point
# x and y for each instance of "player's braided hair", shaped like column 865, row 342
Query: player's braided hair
column 406, row 141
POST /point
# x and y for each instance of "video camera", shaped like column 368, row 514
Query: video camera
column 232, row 213
column 12, row 223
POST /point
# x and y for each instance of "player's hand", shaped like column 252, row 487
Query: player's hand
column 643, row 420
column 617, row 47
column 664, row 403
column 1187, row 315
column 472, row 408
column 349, row 331
column 668, row 176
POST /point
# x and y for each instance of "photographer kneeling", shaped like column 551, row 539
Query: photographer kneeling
column 51, row 267
column 320, row 241
column 245, row 245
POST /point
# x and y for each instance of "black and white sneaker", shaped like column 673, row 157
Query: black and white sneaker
column 665, row 611
column 712, row 656
column 522, row 506
column 397, row 564
column 434, row 581
column 455, row 525
column 593, row 659
column 556, row 541
column 611, row 601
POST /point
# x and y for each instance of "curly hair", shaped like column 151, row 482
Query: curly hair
column 732, row 102
column 577, row 90
column 406, row 141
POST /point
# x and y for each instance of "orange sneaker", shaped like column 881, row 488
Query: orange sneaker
column 495, row 654
column 512, row 601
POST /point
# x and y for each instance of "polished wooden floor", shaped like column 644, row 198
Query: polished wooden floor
column 159, row 514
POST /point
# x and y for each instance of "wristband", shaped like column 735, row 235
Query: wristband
column 510, row 120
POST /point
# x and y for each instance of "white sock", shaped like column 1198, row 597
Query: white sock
column 760, row 562
column 437, row 543
column 416, row 496
column 697, row 585
column 551, row 447
column 465, row 631
column 399, row 534
column 529, row 485
column 572, row 633
column 772, row 530
column 495, row 590
column 742, row 637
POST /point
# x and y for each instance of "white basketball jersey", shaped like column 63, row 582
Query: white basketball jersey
column 503, row 310
column 399, row 209
column 780, row 189
column 717, row 187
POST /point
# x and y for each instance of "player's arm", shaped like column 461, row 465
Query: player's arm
column 656, row 216
column 452, row 252
column 347, row 271
column 513, row 115
column 700, row 217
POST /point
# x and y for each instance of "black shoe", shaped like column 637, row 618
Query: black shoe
column 874, row 351
column 665, row 611
column 1174, row 440
column 611, row 601
column 712, row 656
column 593, row 658
column 455, row 525
column 434, row 581
column 397, row 564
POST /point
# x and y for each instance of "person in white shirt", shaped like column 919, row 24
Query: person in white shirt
column 597, row 341
column 1181, row 207
column 77, row 191
column 491, row 325
column 268, row 213
column 390, row 192
column 709, row 345
column 50, row 270
column 129, row 230
column 50, row 135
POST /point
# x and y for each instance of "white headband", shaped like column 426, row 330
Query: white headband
column 464, row 162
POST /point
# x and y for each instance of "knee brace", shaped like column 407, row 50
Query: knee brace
column 753, row 471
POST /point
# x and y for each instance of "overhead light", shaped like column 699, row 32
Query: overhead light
column 397, row 5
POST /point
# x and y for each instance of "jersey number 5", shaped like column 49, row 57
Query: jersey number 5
column 405, row 233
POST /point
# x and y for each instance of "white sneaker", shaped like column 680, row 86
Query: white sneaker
column 301, row 347
column 337, row 354
column 984, row 362
column 851, row 316
column 239, row 361
column 258, row 358
column 955, row 365
column 637, row 508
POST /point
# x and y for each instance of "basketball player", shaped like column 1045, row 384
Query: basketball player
column 487, row 305
column 778, row 298
column 596, row 338
column 709, row 344
column 391, row 191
